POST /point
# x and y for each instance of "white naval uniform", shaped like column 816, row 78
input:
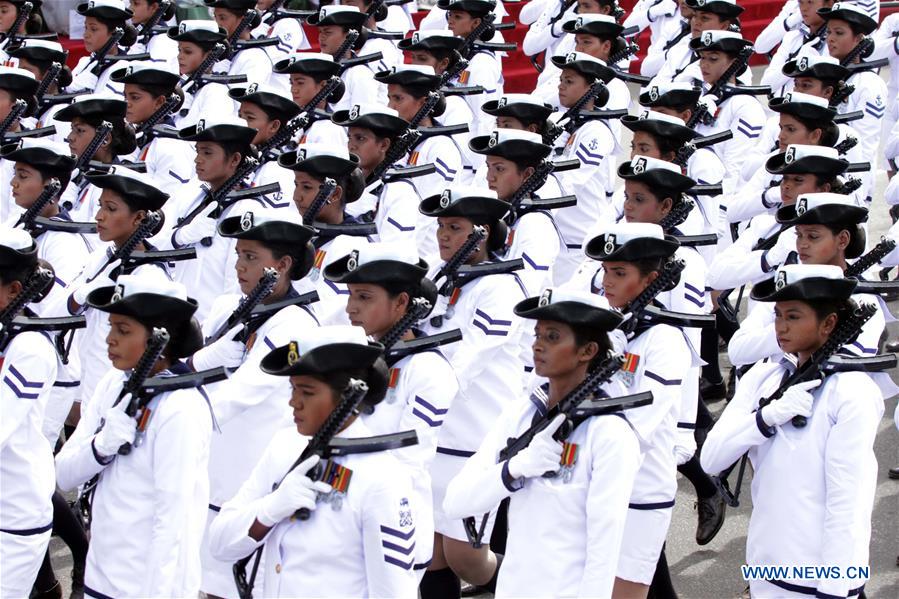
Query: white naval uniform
column 250, row 408
column 252, row 62
column 396, row 211
column 361, row 88
column 484, row 69
column 589, row 509
column 663, row 359
column 663, row 19
column 271, row 172
column 360, row 549
column 418, row 400
column 870, row 97
column 594, row 144
column 48, row 117
column 794, row 45
column 162, row 49
column 102, row 84
column 323, row 131
column 291, row 39
column 330, row 309
column 813, row 487
column 489, row 357
column 745, row 118
column 740, row 265
column 534, row 238
column 211, row 99
column 28, row 368
column 149, row 506
column 170, row 162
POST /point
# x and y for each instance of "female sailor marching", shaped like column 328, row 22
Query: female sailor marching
column 593, row 468
column 813, row 486
column 101, row 20
column 157, row 494
column 359, row 528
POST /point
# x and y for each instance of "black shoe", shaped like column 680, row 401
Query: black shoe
column 54, row 592
column 731, row 383
column 892, row 346
column 894, row 473
column 471, row 590
column 710, row 391
column 711, row 517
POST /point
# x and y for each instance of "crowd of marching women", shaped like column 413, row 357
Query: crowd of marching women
column 356, row 322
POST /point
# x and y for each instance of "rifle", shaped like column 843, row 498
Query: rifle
column 17, row 110
column 568, row 406
column 242, row 313
column 677, row 215
column 49, row 79
column 351, row 398
column 863, row 47
column 321, row 198
column 847, row 144
column 700, row 111
column 419, row 309
column 872, row 257
column 399, row 148
column 10, row 36
column 457, row 260
column 536, row 181
column 630, row 49
column 572, row 113
column 216, row 54
column 87, row 155
column 849, row 186
column 486, row 24
column 669, row 274
column 244, row 24
column 220, row 195
column 307, row 113
column 145, row 129
column 688, row 149
column 844, row 90
column 136, row 406
column 146, row 228
column 51, row 190
column 845, row 332
column 147, row 32
column 100, row 55
column 35, row 285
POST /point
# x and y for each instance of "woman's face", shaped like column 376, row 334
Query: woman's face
column 401, row 101
column 6, row 103
column 461, row 23
column 258, row 120
column 115, row 220
column 8, row 14
column 798, row 329
column 371, row 307
column 793, row 131
column 713, row 64
column 556, row 352
column 96, row 33
column 840, row 39
column 213, row 165
column 312, row 401
column 126, row 341
column 817, row 244
column 812, row 87
column 330, row 37
column 226, row 19
column 793, row 186
column 141, row 10
column 304, row 193
column 425, row 58
column 641, row 205
column 702, row 20
column 252, row 260
column 27, row 184
column 452, row 231
column 190, row 55
column 592, row 45
column 808, row 9
column 367, row 146
column 140, row 104
column 645, row 144
column 509, row 122
column 572, row 86
column 505, row 177
column 303, row 88
column 80, row 136
column 622, row 282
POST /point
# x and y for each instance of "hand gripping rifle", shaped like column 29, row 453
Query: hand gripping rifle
column 846, row 331
column 49, row 79
column 10, row 37
column 32, row 289
column 195, row 79
column 147, row 28
column 17, row 110
column 137, row 405
column 577, row 406
column 87, row 155
column 571, row 114
column 51, row 190
column 700, row 111
column 318, row 202
column 877, row 253
column 146, row 228
column 169, row 106
column 349, row 402
column 457, row 260
column 245, row 308
column 100, row 55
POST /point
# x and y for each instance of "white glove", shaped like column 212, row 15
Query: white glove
column 796, row 401
column 543, row 455
column 661, row 9
column 84, row 80
column 222, row 352
column 785, row 244
column 792, row 21
column 296, row 491
column 118, row 428
column 772, row 196
column 201, row 227
column 684, row 445
column 103, row 278
column 710, row 101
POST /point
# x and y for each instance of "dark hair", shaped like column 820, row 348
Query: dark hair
column 35, row 21
column 394, row 288
column 857, row 237
column 186, row 337
column 585, row 335
column 360, row 41
column 352, row 185
column 65, row 75
column 124, row 139
column 206, row 46
column 273, row 114
column 421, row 91
column 237, row 147
column 130, row 36
column 666, row 145
column 375, row 376
column 18, row 272
column 156, row 90
column 496, row 239
column 647, row 265
column 299, row 255
column 440, row 53
column 63, row 178
column 168, row 14
column 821, row 180
column 825, row 307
